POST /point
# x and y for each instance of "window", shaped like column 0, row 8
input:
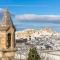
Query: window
column 9, row 40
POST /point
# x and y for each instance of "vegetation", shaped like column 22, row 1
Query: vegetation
column 33, row 55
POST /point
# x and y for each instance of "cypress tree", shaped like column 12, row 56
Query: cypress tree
column 33, row 55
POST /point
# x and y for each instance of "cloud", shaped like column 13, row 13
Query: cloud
column 39, row 18
column 18, row 5
column 1, row 10
column 27, row 5
column 1, row 13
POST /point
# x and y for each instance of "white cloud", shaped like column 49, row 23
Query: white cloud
column 1, row 10
column 27, row 5
column 38, row 17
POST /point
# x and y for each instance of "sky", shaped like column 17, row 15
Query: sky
column 33, row 14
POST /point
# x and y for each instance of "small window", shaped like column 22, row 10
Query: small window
column 9, row 40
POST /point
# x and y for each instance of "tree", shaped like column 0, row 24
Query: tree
column 33, row 55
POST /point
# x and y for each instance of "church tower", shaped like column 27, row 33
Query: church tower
column 7, row 37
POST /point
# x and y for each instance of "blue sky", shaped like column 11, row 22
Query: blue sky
column 32, row 6
column 28, row 13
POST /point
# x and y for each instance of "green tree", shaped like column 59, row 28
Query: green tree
column 33, row 55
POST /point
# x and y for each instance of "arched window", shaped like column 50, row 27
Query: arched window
column 8, row 40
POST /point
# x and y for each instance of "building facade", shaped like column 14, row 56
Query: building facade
column 7, row 37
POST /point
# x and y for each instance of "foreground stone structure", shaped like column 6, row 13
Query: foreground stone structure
column 7, row 37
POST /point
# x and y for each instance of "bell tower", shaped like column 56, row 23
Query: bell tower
column 7, row 37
